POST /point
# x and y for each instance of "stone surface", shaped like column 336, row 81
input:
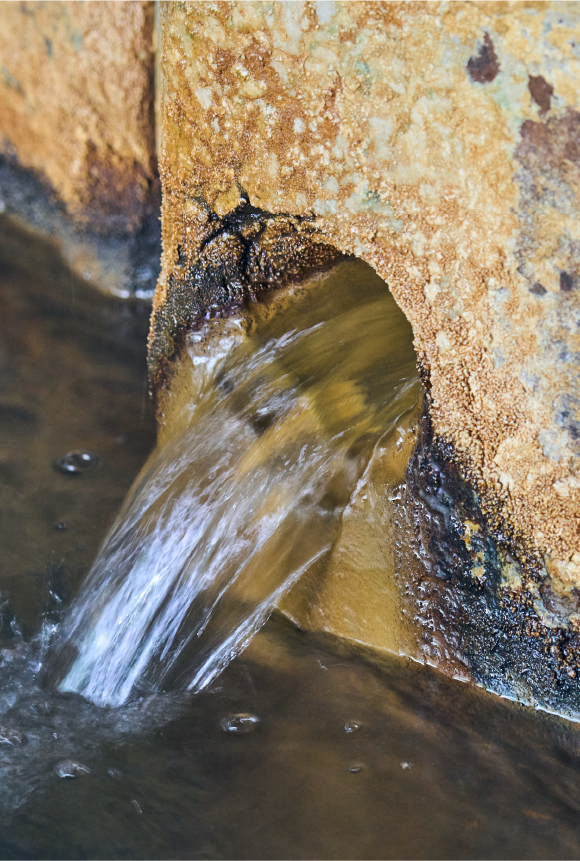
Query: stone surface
column 357, row 593
column 77, row 147
column 415, row 568
column 438, row 142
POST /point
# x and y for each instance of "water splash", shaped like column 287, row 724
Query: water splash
column 234, row 508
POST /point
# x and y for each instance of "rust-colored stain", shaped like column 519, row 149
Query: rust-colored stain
column 485, row 66
column 541, row 92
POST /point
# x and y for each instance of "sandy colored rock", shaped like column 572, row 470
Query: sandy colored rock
column 76, row 111
column 76, row 103
column 438, row 142
column 356, row 593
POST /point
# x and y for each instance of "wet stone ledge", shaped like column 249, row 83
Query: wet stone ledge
column 77, row 136
column 484, row 614
column 117, row 261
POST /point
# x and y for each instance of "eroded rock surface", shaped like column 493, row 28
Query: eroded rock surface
column 77, row 148
column 438, row 142
column 415, row 568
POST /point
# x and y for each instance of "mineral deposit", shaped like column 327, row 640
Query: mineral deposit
column 440, row 143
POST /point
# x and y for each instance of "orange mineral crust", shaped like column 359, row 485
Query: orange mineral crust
column 439, row 143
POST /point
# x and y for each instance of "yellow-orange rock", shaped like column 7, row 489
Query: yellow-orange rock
column 438, row 142
column 76, row 103
column 76, row 110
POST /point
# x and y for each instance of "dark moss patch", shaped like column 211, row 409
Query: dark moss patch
column 472, row 614
column 247, row 253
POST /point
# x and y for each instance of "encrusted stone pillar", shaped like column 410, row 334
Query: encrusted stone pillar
column 438, row 142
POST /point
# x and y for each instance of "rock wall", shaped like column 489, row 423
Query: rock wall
column 438, row 142
column 77, row 139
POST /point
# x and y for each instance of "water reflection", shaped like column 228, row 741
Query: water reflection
column 72, row 379
column 446, row 771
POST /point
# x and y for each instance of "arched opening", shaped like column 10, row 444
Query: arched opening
column 279, row 419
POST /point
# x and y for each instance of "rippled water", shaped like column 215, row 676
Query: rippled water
column 351, row 757
column 435, row 770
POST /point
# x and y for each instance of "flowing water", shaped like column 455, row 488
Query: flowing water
column 226, row 516
column 303, row 746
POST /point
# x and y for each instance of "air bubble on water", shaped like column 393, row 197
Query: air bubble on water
column 405, row 765
column 10, row 736
column 70, row 768
column 352, row 726
column 240, row 724
column 77, row 461
column 115, row 773
column 356, row 768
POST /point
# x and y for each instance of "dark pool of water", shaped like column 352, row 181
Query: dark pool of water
column 430, row 768
column 72, row 376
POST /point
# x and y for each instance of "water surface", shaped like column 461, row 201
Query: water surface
column 436, row 769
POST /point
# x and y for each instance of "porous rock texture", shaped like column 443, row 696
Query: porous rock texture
column 440, row 143
column 77, row 139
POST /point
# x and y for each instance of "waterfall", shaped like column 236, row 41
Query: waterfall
column 227, row 515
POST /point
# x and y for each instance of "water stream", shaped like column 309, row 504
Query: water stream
column 228, row 514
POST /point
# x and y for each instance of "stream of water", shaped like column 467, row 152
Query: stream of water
column 227, row 516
